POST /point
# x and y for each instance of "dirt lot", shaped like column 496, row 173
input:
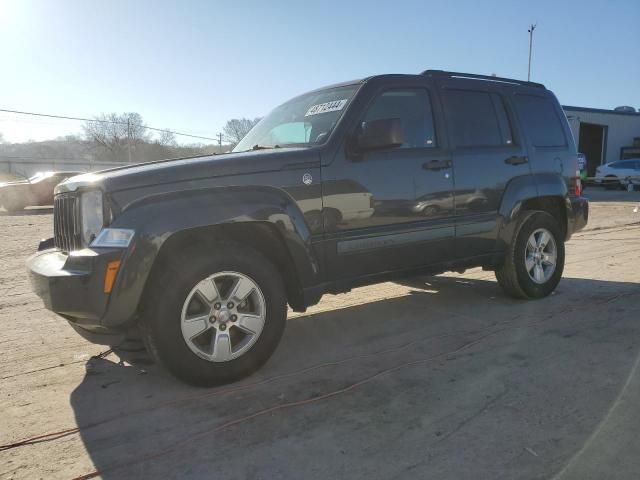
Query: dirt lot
column 433, row 378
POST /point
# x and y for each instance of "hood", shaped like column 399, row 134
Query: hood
column 185, row 169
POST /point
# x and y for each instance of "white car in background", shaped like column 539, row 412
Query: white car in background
column 619, row 173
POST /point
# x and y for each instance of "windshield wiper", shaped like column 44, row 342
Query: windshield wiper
column 264, row 147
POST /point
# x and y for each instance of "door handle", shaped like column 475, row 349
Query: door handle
column 436, row 164
column 517, row 160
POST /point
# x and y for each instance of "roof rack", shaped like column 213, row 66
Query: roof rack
column 443, row 73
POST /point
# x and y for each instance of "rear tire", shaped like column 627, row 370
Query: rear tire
column 532, row 268
column 169, row 304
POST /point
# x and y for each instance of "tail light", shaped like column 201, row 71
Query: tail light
column 578, row 185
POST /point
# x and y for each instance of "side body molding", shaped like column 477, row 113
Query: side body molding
column 156, row 218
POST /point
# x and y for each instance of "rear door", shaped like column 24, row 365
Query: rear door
column 487, row 153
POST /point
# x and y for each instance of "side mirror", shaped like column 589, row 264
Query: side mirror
column 381, row 134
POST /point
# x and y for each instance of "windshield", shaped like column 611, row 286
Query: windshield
column 303, row 121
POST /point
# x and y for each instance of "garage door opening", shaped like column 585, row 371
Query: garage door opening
column 591, row 143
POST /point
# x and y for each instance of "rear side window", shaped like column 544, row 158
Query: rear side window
column 477, row 119
column 541, row 121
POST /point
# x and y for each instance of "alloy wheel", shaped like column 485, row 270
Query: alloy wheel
column 541, row 255
column 223, row 316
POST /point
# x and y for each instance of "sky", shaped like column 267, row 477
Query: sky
column 192, row 65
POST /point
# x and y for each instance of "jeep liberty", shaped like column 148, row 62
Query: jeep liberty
column 352, row 184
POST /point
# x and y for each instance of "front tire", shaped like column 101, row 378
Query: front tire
column 215, row 316
column 534, row 261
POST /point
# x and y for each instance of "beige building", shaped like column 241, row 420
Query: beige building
column 604, row 135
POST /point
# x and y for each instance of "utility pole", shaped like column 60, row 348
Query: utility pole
column 219, row 142
column 129, row 137
column 531, row 29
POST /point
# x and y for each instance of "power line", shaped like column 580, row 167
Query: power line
column 51, row 159
column 97, row 120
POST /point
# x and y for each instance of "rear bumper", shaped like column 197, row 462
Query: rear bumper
column 72, row 285
column 578, row 215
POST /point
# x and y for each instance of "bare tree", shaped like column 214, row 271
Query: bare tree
column 236, row 129
column 166, row 138
column 115, row 135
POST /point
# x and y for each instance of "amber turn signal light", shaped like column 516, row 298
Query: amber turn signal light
column 110, row 275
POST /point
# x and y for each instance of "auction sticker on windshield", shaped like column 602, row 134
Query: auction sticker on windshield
column 326, row 107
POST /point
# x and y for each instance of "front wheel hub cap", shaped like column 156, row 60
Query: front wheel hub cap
column 223, row 316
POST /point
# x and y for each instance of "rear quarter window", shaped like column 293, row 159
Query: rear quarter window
column 541, row 121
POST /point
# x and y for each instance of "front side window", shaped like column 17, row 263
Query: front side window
column 303, row 121
column 631, row 165
column 413, row 108
column 622, row 165
column 477, row 119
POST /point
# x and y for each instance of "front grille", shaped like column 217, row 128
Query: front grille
column 66, row 223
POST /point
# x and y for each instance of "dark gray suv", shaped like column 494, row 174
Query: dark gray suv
column 351, row 184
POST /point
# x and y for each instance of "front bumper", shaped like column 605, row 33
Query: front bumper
column 72, row 285
column 578, row 215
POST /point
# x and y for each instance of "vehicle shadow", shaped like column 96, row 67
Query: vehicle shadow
column 451, row 366
column 28, row 211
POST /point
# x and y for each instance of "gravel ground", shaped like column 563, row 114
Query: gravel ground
column 440, row 377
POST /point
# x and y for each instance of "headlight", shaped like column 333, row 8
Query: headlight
column 114, row 237
column 91, row 215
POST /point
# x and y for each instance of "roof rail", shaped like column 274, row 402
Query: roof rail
column 443, row 73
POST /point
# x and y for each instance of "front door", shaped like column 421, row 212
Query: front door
column 391, row 209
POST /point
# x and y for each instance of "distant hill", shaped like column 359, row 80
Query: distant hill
column 74, row 153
